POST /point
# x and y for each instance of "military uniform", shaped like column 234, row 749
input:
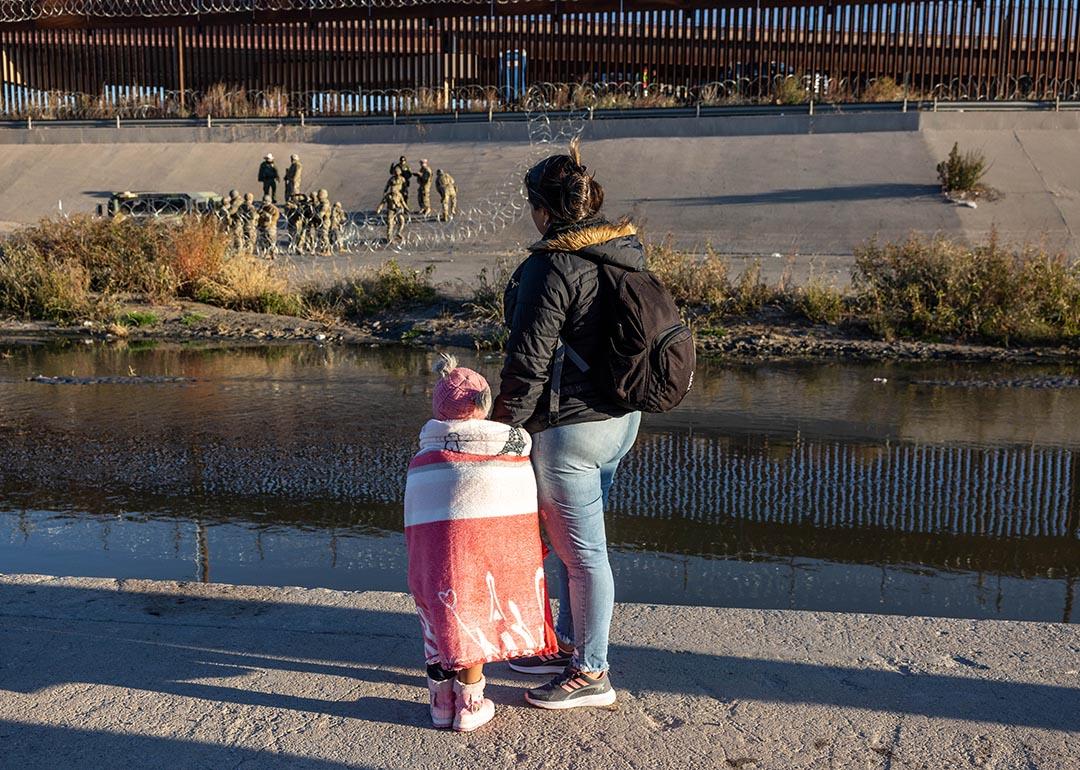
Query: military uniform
column 402, row 166
column 249, row 216
column 268, row 221
column 425, row 177
column 444, row 183
column 292, row 178
column 294, row 213
column 338, row 218
column 236, row 221
column 395, row 183
column 324, row 215
column 396, row 209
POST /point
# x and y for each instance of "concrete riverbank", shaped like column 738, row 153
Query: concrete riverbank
column 104, row 673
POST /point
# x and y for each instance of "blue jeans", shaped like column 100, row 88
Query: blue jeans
column 575, row 465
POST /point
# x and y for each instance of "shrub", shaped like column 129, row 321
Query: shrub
column 818, row 303
column 247, row 283
column 386, row 287
column 789, row 89
column 940, row 288
column 883, row 90
column 138, row 318
column 34, row 285
column 699, row 285
column 961, row 172
column 486, row 303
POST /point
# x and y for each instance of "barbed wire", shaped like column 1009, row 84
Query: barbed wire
column 145, row 103
column 23, row 10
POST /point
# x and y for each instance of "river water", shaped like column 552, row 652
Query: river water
column 943, row 489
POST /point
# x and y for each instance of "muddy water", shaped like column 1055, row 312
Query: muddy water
column 933, row 489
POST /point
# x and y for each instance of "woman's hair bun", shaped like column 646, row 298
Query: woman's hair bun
column 444, row 364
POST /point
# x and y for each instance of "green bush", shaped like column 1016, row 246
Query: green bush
column 790, row 89
column 818, row 303
column 932, row 289
column 961, row 172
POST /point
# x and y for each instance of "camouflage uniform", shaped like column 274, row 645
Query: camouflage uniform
column 235, row 220
column 294, row 212
column 292, row 178
column 396, row 183
column 338, row 218
column 250, row 218
column 424, row 192
column 403, row 167
column 324, row 213
column 396, row 209
column 268, row 220
column 444, row 183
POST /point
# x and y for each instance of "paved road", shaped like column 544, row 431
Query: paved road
column 810, row 198
column 100, row 673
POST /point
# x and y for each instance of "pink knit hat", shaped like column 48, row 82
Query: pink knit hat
column 459, row 391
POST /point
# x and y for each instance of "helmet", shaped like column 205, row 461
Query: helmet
column 267, row 198
column 249, row 197
column 294, row 157
column 234, row 193
column 323, row 194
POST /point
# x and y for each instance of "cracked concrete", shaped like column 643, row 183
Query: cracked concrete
column 105, row 673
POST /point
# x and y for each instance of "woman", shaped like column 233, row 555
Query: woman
column 555, row 310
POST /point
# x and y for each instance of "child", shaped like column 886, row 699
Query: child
column 473, row 538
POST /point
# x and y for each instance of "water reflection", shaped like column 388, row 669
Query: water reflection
column 777, row 486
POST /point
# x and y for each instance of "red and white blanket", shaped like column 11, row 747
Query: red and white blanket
column 473, row 537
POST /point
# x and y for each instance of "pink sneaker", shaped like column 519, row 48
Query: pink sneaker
column 473, row 709
column 442, row 702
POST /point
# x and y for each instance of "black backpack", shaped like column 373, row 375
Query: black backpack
column 650, row 357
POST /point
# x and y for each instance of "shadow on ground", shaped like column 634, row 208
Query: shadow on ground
column 841, row 193
column 166, row 643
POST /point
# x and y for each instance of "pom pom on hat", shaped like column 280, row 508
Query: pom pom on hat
column 459, row 391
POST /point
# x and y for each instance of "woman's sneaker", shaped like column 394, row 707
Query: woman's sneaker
column 542, row 664
column 571, row 689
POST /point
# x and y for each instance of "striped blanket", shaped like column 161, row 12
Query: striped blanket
column 472, row 533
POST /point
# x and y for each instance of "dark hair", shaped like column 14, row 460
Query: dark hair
column 560, row 184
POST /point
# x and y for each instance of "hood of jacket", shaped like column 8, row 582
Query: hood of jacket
column 615, row 243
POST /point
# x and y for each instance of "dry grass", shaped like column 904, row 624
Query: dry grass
column 69, row 268
column 939, row 288
column 376, row 289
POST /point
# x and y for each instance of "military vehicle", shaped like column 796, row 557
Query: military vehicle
column 157, row 205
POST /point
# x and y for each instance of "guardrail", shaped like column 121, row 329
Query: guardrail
column 754, row 110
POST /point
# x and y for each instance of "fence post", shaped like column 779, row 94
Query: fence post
column 935, row 104
column 118, row 121
column 29, row 123
column 455, row 115
column 591, row 108
column 811, row 107
column 209, row 121
column 302, row 124
column 699, row 110
column 490, row 111
column 1057, row 103
column 395, row 117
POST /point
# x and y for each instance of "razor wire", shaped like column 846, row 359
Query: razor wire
column 21, row 10
column 220, row 102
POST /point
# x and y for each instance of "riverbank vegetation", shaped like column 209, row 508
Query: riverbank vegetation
column 118, row 274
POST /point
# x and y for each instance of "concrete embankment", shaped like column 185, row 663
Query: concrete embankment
column 104, row 673
column 795, row 185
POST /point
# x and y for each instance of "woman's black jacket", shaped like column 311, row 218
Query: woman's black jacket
column 553, row 296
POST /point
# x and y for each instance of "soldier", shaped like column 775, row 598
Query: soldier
column 396, row 209
column 395, row 182
column 324, row 215
column 249, row 215
column 338, row 218
column 268, row 219
column 292, row 177
column 424, row 191
column 268, row 175
column 403, row 166
column 235, row 219
column 444, row 183
column 294, row 220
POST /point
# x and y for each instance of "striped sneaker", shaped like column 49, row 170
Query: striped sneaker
column 542, row 664
column 572, row 689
